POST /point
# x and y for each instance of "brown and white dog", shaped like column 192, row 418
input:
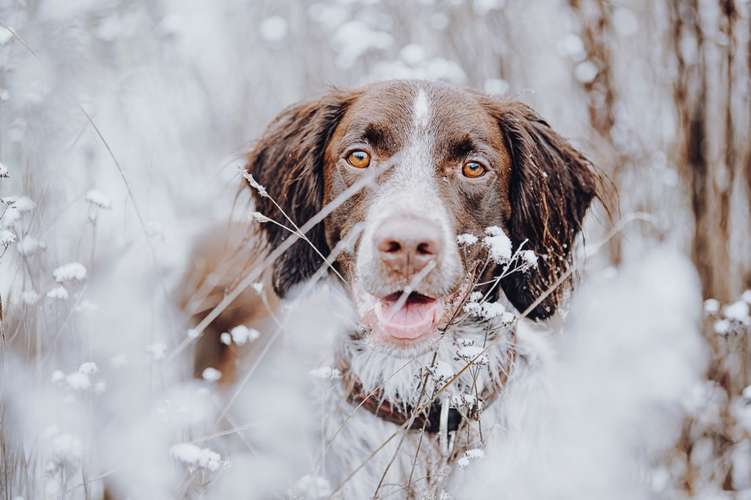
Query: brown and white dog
column 450, row 215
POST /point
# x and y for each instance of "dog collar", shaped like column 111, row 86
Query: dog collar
column 429, row 420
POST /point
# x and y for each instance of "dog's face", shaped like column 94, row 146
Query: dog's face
column 418, row 164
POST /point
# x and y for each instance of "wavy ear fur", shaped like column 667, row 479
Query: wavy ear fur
column 551, row 187
column 288, row 162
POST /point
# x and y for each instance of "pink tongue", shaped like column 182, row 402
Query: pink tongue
column 413, row 320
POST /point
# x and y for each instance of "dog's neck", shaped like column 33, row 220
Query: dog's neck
column 466, row 367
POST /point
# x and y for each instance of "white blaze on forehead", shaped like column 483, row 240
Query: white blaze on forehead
column 421, row 110
column 411, row 190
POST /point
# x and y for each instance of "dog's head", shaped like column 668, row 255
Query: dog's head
column 435, row 162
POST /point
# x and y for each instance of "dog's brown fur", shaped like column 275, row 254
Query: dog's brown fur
column 544, row 188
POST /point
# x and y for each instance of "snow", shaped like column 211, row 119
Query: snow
column 196, row 457
column 255, row 185
column 23, row 204
column 211, row 374
column 489, row 310
column 326, row 373
column 738, row 311
column 4, row 173
column 466, row 239
column 711, row 306
column 78, row 381
column 259, row 217
column 69, row 272
column 412, row 53
column 311, row 487
column 59, row 292
column 496, row 86
column 241, row 334
column 498, row 244
column 98, row 199
column 88, row 368
column 529, row 258
column 157, row 350
column 586, row 71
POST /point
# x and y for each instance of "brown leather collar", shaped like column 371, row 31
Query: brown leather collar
column 429, row 419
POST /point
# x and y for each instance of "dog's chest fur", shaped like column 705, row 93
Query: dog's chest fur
column 365, row 454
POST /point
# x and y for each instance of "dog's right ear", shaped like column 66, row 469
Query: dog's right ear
column 288, row 162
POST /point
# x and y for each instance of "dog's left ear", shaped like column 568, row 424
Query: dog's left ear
column 550, row 189
column 288, row 162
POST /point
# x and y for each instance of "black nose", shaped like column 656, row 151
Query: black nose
column 407, row 245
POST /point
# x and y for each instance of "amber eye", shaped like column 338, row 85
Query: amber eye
column 473, row 169
column 359, row 159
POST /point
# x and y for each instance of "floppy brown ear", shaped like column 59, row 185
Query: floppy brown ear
column 288, row 162
column 551, row 187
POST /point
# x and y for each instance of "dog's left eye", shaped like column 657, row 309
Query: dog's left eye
column 359, row 159
column 473, row 169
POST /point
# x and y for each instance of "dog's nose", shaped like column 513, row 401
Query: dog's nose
column 407, row 245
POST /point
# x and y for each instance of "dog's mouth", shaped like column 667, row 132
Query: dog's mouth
column 406, row 317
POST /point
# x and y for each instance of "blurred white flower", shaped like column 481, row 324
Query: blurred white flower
column 5, row 35
column 412, row 53
column 157, row 350
column 225, row 338
column 242, row 334
column 23, row 204
column 354, row 38
column 572, row 46
column 737, row 311
column 70, row 271
column 211, row 374
column 258, row 287
column 88, row 368
column 29, row 245
column 98, row 199
column 58, row 292
column 722, row 326
column 196, row 457
column 585, row 72
column 29, row 297
column 711, row 306
column 484, row 6
column 273, row 28
column 311, row 487
column 78, row 381
column 469, row 455
column 495, row 86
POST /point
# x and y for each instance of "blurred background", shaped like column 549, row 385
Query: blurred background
column 123, row 125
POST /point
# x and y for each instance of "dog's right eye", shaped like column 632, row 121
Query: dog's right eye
column 359, row 159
